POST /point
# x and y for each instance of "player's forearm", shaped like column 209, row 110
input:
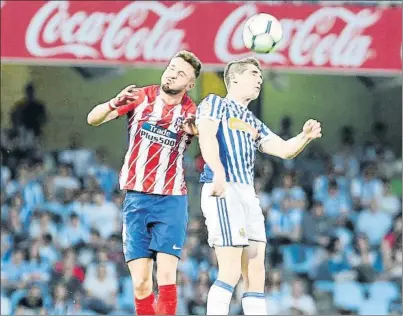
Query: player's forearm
column 295, row 145
column 210, row 152
column 101, row 114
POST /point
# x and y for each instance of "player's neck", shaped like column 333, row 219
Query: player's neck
column 172, row 99
column 238, row 99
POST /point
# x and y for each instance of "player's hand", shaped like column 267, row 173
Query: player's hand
column 312, row 129
column 219, row 184
column 189, row 125
column 124, row 97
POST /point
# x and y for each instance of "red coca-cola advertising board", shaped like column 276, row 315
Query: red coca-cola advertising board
column 316, row 38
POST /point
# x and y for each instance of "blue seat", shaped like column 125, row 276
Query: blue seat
column 324, row 286
column 298, row 258
column 371, row 307
column 383, row 291
column 348, row 295
column 15, row 297
column 125, row 299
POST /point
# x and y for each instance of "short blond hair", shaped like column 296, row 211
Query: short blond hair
column 191, row 59
column 239, row 66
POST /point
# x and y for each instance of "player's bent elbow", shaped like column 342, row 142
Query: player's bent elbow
column 91, row 120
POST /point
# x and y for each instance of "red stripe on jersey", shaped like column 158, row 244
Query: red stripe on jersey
column 137, row 142
column 153, row 158
column 151, row 166
column 189, row 108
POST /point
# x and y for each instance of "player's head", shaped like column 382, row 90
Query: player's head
column 181, row 73
column 244, row 76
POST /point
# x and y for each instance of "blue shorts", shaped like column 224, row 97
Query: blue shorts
column 153, row 223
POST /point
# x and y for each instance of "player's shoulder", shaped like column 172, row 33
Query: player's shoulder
column 213, row 100
column 151, row 91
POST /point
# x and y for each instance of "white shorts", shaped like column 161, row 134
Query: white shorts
column 235, row 219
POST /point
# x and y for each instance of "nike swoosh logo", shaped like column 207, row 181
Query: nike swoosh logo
column 175, row 247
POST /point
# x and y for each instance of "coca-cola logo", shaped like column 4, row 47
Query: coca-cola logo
column 54, row 31
column 310, row 41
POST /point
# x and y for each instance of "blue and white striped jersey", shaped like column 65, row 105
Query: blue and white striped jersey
column 239, row 135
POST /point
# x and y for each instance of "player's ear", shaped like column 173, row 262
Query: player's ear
column 190, row 86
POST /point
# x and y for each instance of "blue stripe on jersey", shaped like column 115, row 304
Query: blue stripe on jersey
column 214, row 105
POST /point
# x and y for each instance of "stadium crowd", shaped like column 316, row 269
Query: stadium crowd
column 334, row 227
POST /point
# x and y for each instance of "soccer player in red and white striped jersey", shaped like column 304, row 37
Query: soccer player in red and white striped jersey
column 160, row 127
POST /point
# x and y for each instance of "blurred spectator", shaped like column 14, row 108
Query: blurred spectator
column 106, row 177
column 5, row 305
column 286, row 128
column 365, row 189
column 29, row 112
column 388, row 201
column 299, row 300
column 104, row 215
column 77, row 156
column 290, row 189
column 74, row 233
column 32, row 303
column 65, row 179
column 101, row 290
column 335, row 203
column 43, row 226
column 363, row 259
column 374, row 223
column 12, row 271
column 61, row 302
column 316, row 227
column 38, row 268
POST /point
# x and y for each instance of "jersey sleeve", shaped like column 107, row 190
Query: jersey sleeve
column 211, row 108
column 264, row 133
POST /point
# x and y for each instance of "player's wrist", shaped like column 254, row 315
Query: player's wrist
column 112, row 106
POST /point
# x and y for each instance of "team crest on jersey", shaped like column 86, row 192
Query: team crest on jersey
column 237, row 124
column 242, row 232
column 178, row 123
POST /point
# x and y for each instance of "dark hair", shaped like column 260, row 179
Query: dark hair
column 191, row 59
column 239, row 66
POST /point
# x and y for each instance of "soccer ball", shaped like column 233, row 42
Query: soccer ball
column 262, row 32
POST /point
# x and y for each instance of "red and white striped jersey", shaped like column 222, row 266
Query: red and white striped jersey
column 154, row 159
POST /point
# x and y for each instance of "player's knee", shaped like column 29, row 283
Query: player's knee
column 143, row 286
column 230, row 275
column 166, row 276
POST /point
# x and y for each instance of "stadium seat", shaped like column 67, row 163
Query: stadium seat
column 324, row 286
column 125, row 299
column 298, row 258
column 15, row 297
column 348, row 295
column 371, row 307
column 383, row 291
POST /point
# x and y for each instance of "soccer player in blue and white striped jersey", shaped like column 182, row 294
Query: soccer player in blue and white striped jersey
column 229, row 135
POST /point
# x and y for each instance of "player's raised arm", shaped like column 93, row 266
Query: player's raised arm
column 272, row 144
column 124, row 102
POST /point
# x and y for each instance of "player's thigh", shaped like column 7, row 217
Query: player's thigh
column 135, row 234
column 141, row 273
column 225, row 218
column 169, row 218
column 253, row 266
column 255, row 222
column 229, row 263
